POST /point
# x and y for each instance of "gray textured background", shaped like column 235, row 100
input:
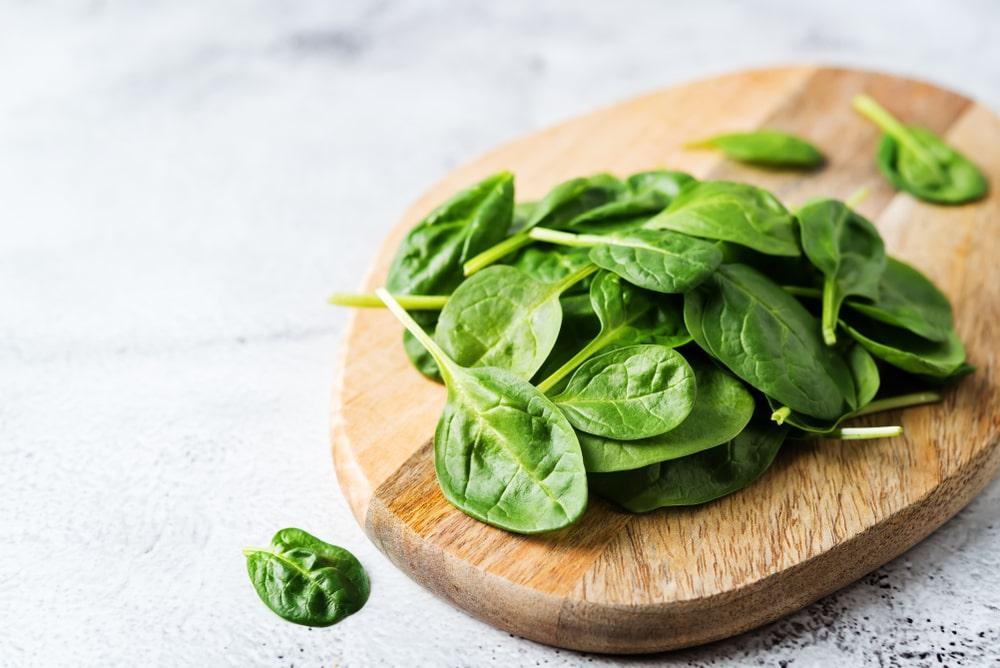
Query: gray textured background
column 183, row 182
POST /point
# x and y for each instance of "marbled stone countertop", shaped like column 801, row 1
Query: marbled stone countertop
column 182, row 183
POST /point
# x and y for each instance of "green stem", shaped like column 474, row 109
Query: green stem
column 247, row 551
column 565, row 238
column 568, row 281
column 496, row 253
column 890, row 125
column 829, row 317
column 857, row 197
column 901, row 401
column 781, row 414
column 445, row 364
column 576, row 360
column 864, row 433
column 801, row 291
column 409, row 302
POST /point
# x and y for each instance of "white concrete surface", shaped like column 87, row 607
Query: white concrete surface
column 182, row 183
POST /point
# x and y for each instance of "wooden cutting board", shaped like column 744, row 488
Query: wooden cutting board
column 823, row 516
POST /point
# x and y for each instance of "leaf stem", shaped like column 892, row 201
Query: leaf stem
column 864, row 433
column 857, row 197
column 781, row 414
column 409, row 302
column 901, row 401
column 891, row 126
column 247, row 551
column 496, row 253
column 566, row 282
column 829, row 317
column 565, row 238
column 802, row 291
column 444, row 362
column 593, row 347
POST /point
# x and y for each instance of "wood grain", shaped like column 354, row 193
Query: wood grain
column 824, row 515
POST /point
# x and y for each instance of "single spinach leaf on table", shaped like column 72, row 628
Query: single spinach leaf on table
column 867, row 380
column 504, row 453
column 918, row 161
column 847, row 249
column 658, row 260
column 767, row 338
column 629, row 393
column 697, row 478
column 721, row 410
column 907, row 351
column 501, row 317
column 628, row 316
column 735, row 212
column 768, row 148
column 307, row 581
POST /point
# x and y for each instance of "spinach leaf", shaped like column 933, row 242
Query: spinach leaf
column 629, row 393
column 866, row 383
column 306, row 581
column 849, row 252
column 579, row 326
column 767, row 338
column 907, row 351
column 908, row 299
column 697, row 478
column 721, row 410
column 647, row 193
column 657, row 260
column 504, row 453
column 549, row 264
column 665, row 183
column 768, row 148
column 501, row 317
column 417, row 354
column 918, row 161
column 627, row 316
column 727, row 211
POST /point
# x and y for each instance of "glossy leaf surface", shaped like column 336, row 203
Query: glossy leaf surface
column 658, row 260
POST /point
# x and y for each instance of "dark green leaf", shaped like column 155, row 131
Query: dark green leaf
column 658, row 260
column 697, row 478
column 907, row 351
column 907, row 299
column 629, row 393
column 765, row 147
column 570, row 199
column 721, row 410
column 306, row 581
column 849, row 252
column 736, row 212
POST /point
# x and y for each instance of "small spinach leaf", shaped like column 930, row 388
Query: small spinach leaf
column 550, row 264
column 907, row 351
column 767, row 338
column 765, row 147
column 657, row 260
column 918, row 161
column 847, row 249
column 721, row 410
column 306, row 581
column 570, row 199
column 736, row 212
column 697, row 478
column 504, row 453
column 501, row 317
column 629, row 393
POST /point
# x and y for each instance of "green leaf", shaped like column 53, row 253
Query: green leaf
column 918, row 161
column 698, row 478
column 665, row 183
column 907, row 351
column 765, row 147
column 721, row 410
column 658, row 260
column 629, row 393
column 908, row 299
column 306, row 581
column 736, row 212
column 503, row 318
column 570, row 199
column 504, row 453
column 849, row 252
column 550, row 264
column 767, row 338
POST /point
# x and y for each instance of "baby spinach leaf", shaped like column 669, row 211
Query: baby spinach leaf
column 549, row 264
column 767, row 338
column 501, row 317
column 627, row 316
column 658, row 260
column 429, row 261
column 697, row 478
column 306, row 581
column 647, row 193
column 579, row 326
column 866, row 383
column 907, row 351
column 918, row 161
column 504, row 453
column 721, row 410
column 629, row 393
column 765, row 147
column 417, row 354
column 727, row 211
column 665, row 183
column 908, row 299
column 570, row 199
column 847, row 249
